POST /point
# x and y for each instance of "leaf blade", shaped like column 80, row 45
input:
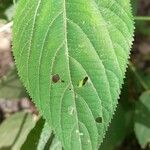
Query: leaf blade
column 75, row 40
column 141, row 124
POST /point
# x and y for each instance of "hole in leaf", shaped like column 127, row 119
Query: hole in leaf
column 99, row 120
column 83, row 82
column 55, row 78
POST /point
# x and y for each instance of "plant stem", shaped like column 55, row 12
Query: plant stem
column 142, row 18
column 142, row 82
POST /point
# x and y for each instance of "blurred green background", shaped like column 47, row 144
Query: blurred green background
column 130, row 127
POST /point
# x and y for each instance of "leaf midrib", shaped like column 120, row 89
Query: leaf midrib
column 67, row 53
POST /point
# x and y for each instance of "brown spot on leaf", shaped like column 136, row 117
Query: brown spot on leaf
column 55, row 78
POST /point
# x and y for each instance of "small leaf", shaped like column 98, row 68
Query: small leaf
column 142, row 120
column 34, row 136
column 48, row 140
column 10, row 12
column 74, row 39
column 14, row 130
column 44, row 137
column 56, row 145
column 41, row 138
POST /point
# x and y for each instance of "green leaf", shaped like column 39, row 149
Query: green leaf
column 11, row 87
column 142, row 120
column 41, row 138
column 48, row 140
column 3, row 6
column 34, row 136
column 72, row 57
column 14, row 130
column 10, row 12
column 55, row 145
column 44, row 137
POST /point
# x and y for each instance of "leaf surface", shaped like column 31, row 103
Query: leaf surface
column 72, row 57
column 14, row 130
column 142, row 121
column 41, row 138
column 11, row 87
column 34, row 136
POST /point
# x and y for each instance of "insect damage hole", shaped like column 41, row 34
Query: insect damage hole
column 83, row 82
column 99, row 120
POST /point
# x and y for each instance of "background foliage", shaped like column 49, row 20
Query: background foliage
column 130, row 127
